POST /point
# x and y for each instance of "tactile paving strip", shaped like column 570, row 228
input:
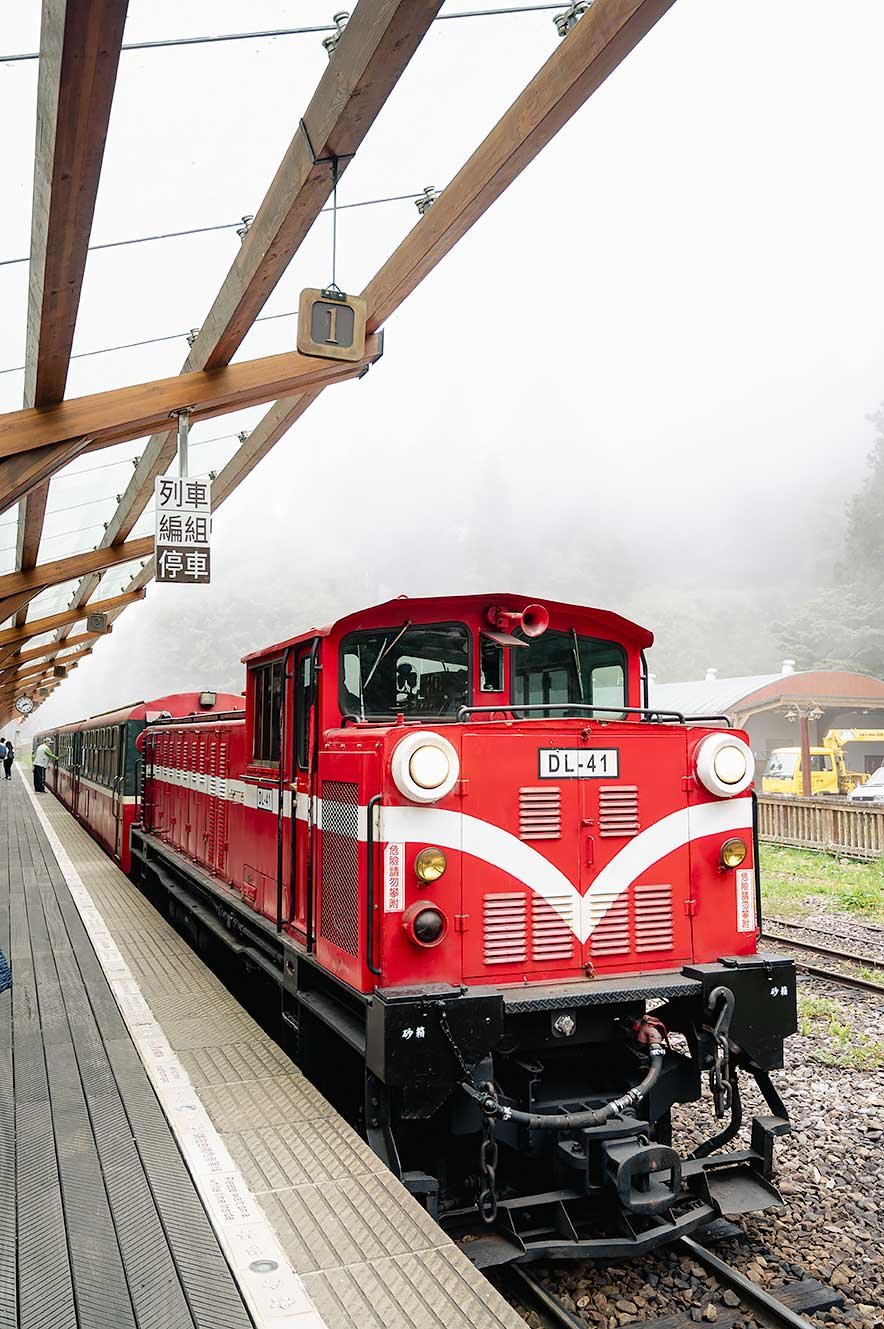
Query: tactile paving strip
column 90, row 1239
column 368, row 1254
column 274, row 1293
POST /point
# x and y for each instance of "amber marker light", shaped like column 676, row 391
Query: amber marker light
column 733, row 852
column 429, row 865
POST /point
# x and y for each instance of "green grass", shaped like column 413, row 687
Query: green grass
column 836, row 1041
column 793, row 878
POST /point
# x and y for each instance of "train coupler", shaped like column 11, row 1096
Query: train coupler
column 645, row 1176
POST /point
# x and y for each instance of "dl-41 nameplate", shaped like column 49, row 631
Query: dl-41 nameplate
column 331, row 325
column 578, row 763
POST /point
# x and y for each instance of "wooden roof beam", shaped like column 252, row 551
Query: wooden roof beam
column 122, row 414
column 28, row 671
column 75, row 565
column 80, row 44
column 36, row 627
column 376, row 45
column 51, row 648
column 577, row 67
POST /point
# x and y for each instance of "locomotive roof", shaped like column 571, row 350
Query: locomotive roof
column 445, row 608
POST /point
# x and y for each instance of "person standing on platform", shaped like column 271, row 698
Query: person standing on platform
column 42, row 758
column 4, row 751
column 9, row 758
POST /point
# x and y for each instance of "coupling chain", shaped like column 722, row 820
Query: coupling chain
column 446, row 1030
column 721, row 1083
column 488, row 1150
column 488, row 1153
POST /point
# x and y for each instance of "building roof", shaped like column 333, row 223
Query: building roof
column 739, row 696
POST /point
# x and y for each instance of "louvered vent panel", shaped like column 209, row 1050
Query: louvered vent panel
column 609, row 915
column 339, row 923
column 653, row 918
column 540, row 815
column 505, row 928
column 618, row 810
column 551, row 923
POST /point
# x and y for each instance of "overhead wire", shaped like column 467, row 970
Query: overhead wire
column 221, row 226
column 214, row 38
column 148, row 341
column 105, row 498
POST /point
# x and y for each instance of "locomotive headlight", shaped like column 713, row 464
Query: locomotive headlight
column 733, row 852
column 429, row 766
column 729, row 764
column 424, row 767
column 430, row 865
column 725, row 764
column 425, row 924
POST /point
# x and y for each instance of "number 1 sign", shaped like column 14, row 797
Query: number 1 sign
column 331, row 324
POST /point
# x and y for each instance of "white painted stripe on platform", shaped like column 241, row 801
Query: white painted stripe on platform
column 273, row 1292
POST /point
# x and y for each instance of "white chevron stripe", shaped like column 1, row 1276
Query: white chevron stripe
column 484, row 840
column 492, row 844
column 662, row 838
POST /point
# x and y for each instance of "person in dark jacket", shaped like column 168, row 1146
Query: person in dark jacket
column 9, row 758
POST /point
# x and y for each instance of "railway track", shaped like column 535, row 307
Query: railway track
column 830, row 953
column 781, row 1309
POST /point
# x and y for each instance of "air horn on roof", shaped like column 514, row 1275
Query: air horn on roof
column 533, row 619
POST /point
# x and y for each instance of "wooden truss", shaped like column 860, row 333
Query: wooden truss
column 374, row 48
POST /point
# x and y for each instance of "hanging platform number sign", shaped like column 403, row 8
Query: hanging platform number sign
column 184, row 524
column 331, row 324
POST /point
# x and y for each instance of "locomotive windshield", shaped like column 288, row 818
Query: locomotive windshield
column 413, row 670
column 563, row 667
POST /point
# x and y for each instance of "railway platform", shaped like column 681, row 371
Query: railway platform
column 162, row 1162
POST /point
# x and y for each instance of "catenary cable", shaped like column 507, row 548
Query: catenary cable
column 212, row 39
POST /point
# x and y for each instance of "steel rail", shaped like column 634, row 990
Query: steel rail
column 824, row 932
column 834, row 976
column 775, row 1311
column 849, row 956
column 550, row 1303
column 758, row 1297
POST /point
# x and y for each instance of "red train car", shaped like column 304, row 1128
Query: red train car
column 488, row 883
column 97, row 772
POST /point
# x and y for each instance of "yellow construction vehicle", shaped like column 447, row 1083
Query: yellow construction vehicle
column 828, row 765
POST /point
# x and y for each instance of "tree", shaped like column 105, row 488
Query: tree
column 841, row 626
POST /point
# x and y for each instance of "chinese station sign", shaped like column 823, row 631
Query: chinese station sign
column 184, row 525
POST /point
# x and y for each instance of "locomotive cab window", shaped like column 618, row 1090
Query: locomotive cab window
column 415, row 670
column 303, row 703
column 490, row 665
column 562, row 668
column 266, row 699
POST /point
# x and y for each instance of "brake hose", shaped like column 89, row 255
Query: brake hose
column 568, row 1121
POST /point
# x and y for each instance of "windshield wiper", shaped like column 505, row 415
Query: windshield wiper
column 576, row 650
column 386, row 647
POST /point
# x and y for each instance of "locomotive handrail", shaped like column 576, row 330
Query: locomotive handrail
column 201, row 717
column 373, row 802
column 572, row 706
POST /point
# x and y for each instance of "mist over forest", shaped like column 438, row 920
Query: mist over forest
column 734, row 584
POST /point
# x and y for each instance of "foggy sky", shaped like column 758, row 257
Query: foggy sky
column 644, row 373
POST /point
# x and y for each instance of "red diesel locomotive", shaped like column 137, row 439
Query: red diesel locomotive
column 508, row 911
column 98, row 763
